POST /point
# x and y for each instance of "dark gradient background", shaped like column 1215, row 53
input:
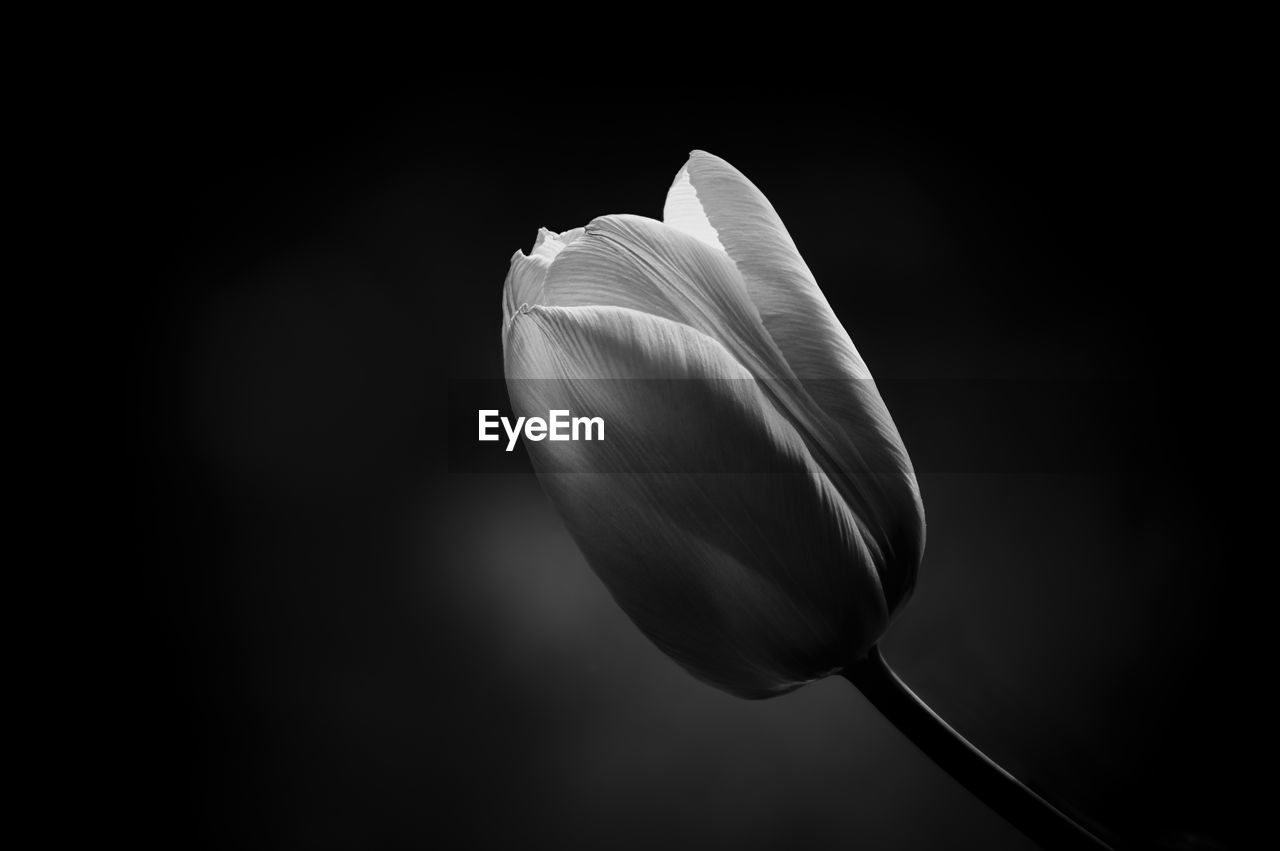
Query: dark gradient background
column 352, row 646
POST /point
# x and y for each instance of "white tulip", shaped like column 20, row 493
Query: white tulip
column 754, row 510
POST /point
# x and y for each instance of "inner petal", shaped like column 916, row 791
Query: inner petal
column 684, row 211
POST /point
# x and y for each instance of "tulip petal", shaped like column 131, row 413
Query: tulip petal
column 683, row 211
column 648, row 266
column 526, row 275
column 754, row 581
column 710, row 195
column 645, row 265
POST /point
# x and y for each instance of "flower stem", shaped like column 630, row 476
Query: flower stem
column 997, row 788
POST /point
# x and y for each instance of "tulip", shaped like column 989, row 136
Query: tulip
column 754, row 510
column 756, row 589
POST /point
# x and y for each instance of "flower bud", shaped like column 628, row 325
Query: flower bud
column 752, row 507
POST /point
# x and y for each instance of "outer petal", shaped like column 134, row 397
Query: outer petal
column 755, row 581
column 709, row 196
column 714, row 202
column 526, row 275
column 645, row 265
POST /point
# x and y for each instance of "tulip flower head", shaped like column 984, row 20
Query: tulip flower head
column 753, row 508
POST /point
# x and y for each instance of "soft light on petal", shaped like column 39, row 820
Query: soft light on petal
column 755, row 581
column 651, row 267
column 800, row 322
column 526, row 274
column 648, row 266
column 792, row 306
column 684, row 211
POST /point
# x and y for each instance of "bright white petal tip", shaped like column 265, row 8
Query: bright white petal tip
column 683, row 211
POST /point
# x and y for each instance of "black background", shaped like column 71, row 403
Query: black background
column 348, row 644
